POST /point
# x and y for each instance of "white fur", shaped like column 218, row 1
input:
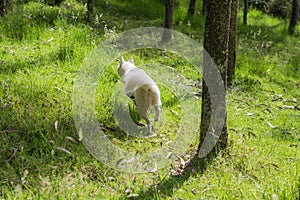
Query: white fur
column 139, row 85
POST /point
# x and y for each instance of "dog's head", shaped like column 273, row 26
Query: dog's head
column 125, row 66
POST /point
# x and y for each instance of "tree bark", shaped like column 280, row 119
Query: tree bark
column 2, row 7
column 232, row 43
column 245, row 12
column 294, row 17
column 192, row 6
column 216, row 41
column 169, row 11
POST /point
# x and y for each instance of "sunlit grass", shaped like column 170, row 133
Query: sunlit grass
column 41, row 55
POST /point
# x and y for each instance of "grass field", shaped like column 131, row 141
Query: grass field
column 42, row 49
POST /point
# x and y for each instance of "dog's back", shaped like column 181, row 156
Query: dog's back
column 135, row 78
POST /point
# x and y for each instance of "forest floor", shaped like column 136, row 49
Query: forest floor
column 41, row 157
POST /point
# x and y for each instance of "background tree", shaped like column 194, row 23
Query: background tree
column 90, row 9
column 169, row 11
column 192, row 6
column 57, row 2
column 294, row 17
column 2, row 7
column 204, row 2
column 216, row 42
column 232, row 42
column 245, row 12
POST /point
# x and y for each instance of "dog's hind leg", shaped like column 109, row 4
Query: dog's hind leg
column 143, row 105
column 144, row 114
column 157, row 112
column 149, row 124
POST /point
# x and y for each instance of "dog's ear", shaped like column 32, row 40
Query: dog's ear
column 121, row 60
column 131, row 60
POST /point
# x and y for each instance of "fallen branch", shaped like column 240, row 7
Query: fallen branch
column 9, row 131
column 13, row 155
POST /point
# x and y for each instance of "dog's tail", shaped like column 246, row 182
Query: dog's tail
column 154, row 98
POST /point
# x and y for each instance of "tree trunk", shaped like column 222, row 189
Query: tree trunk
column 216, row 41
column 90, row 9
column 192, row 6
column 57, row 2
column 294, row 17
column 2, row 7
column 169, row 11
column 204, row 2
column 245, row 12
column 232, row 43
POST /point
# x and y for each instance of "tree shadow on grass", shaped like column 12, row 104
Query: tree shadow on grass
column 146, row 9
column 167, row 187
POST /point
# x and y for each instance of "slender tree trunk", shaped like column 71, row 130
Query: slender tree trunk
column 204, row 2
column 245, row 12
column 2, row 7
column 192, row 6
column 294, row 17
column 57, row 2
column 216, row 41
column 232, row 43
column 169, row 11
column 90, row 9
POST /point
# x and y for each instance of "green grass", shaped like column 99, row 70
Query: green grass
column 42, row 49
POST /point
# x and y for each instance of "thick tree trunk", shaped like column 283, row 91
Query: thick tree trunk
column 294, row 17
column 245, row 12
column 232, row 43
column 2, row 7
column 169, row 11
column 192, row 6
column 216, row 41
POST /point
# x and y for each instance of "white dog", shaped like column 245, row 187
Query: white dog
column 141, row 88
